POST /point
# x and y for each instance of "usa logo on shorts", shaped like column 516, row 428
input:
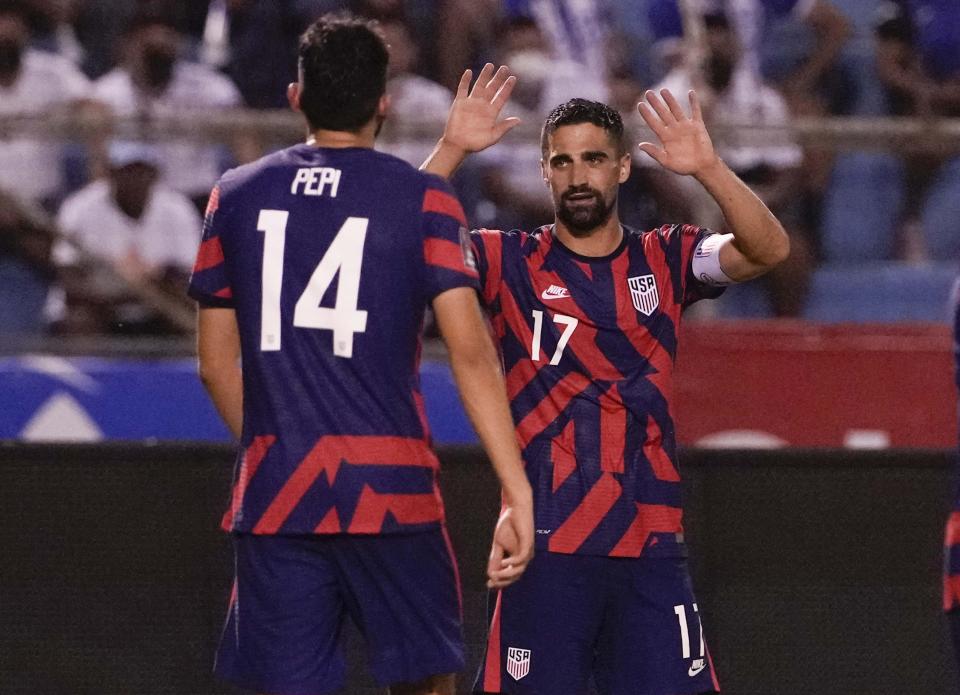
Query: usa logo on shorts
column 643, row 291
column 518, row 662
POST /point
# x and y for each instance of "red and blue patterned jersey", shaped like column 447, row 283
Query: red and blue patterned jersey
column 951, row 551
column 588, row 346
column 329, row 258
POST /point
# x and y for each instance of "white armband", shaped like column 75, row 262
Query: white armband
column 706, row 260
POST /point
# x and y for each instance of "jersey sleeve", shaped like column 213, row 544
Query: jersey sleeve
column 447, row 253
column 488, row 249
column 680, row 242
column 209, row 284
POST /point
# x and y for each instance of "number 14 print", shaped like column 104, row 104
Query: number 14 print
column 345, row 256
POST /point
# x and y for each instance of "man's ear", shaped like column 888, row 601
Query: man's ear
column 293, row 95
column 625, row 161
column 543, row 171
column 383, row 106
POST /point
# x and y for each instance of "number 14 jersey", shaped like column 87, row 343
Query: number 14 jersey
column 329, row 258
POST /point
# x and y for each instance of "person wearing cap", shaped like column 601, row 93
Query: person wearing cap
column 131, row 220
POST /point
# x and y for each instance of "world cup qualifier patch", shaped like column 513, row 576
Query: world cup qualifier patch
column 643, row 291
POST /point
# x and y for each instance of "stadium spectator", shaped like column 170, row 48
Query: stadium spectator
column 751, row 20
column 145, row 232
column 130, row 219
column 732, row 97
column 154, row 80
column 918, row 62
column 51, row 23
column 417, row 104
column 32, row 82
column 592, row 403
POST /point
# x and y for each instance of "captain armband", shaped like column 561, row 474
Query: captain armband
column 706, row 260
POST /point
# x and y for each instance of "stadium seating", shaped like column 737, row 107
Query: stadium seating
column 861, row 208
column 875, row 292
column 24, row 316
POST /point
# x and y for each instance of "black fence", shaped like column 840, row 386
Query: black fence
column 818, row 572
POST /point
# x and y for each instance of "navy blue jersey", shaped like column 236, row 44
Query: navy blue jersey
column 330, row 257
column 588, row 345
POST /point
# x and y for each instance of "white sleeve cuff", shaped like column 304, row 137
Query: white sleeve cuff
column 706, row 260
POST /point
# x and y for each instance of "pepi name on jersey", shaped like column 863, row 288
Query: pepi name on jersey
column 316, row 181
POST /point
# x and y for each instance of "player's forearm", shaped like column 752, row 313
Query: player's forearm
column 480, row 381
column 444, row 160
column 224, row 383
column 758, row 235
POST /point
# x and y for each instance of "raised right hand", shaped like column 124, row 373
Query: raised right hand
column 473, row 123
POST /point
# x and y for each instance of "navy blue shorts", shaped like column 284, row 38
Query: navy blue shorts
column 292, row 594
column 630, row 625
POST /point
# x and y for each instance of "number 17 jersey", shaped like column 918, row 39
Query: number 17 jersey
column 329, row 258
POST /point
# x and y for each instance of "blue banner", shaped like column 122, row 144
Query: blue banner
column 44, row 398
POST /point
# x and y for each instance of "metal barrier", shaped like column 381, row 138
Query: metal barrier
column 818, row 571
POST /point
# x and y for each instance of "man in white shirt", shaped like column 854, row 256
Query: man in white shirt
column 138, row 225
column 154, row 81
column 32, row 83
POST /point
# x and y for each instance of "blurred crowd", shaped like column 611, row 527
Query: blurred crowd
column 98, row 236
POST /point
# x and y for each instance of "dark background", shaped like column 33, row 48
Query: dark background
column 817, row 572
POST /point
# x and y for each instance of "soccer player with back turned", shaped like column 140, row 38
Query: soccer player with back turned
column 586, row 311
column 316, row 265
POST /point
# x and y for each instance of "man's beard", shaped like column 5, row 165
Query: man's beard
column 581, row 219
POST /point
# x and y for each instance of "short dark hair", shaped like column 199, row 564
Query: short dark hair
column 578, row 111
column 343, row 66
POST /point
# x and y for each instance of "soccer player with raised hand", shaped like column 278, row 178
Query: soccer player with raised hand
column 586, row 311
column 316, row 265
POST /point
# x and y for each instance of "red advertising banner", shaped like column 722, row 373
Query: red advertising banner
column 769, row 384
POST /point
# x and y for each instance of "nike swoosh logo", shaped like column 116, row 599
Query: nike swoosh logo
column 694, row 671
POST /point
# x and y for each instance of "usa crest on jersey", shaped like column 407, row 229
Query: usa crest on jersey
column 643, row 291
column 518, row 662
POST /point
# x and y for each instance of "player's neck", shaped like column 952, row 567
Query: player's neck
column 364, row 137
column 602, row 241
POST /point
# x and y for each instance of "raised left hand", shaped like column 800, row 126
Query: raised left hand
column 685, row 146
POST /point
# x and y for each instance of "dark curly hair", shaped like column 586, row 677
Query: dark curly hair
column 578, row 111
column 343, row 65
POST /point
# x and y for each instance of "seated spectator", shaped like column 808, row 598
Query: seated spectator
column 731, row 97
column 146, row 232
column 418, row 106
column 918, row 61
column 152, row 81
column 51, row 22
column 32, row 82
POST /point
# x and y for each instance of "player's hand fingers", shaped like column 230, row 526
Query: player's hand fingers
column 499, row 77
column 463, row 89
column 504, row 577
column 657, row 103
column 502, row 96
column 695, row 110
column 495, row 562
column 673, row 105
column 483, row 79
column 651, row 119
column 656, row 152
